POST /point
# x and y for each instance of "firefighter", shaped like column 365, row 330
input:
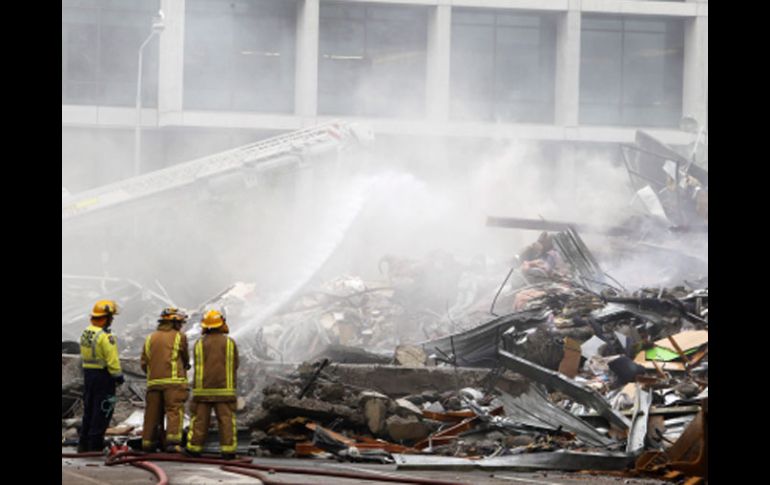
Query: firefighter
column 165, row 360
column 216, row 367
column 101, row 373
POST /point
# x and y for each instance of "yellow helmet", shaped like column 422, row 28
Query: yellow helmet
column 212, row 319
column 104, row 308
column 173, row 314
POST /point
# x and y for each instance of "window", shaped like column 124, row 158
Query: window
column 100, row 48
column 502, row 66
column 239, row 55
column 631, row 71
column 372, row 60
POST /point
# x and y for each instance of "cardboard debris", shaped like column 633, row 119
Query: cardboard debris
column 687, row 341
column 571, row 361
column 526, row 403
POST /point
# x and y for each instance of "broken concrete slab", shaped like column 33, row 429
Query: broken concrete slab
column 397, row 381
column 406, row 429
column 343, row 354
column 410, row 356
column 330, row 391
column 290, row 407
column 406, row 408
column 375, row 410
column 433, row 407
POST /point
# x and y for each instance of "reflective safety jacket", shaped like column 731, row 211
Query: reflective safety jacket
column 165, row 358
column 216, row 365
column 99, row 350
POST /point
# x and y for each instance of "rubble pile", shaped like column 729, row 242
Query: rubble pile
column 604, row 379
column 313, row 413
column 415, row 301
column 439, row 364
column 615, row 381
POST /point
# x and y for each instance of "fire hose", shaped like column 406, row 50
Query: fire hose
column 129, row 457
column 153, row 468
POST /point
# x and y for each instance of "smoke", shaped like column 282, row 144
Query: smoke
column 285, row 230
column 297, row 227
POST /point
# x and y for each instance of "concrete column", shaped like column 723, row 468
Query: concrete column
column 695, row 79
column 568, row 66
column 567, row 170
column 171, row 61
column 306, row 70
column 437, row 68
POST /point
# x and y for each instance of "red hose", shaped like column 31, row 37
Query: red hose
column 158, row 471
column 155, row 469
column 126, row 457
column 85, row 454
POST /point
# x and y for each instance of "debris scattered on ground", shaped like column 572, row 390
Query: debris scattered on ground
column 440, row 365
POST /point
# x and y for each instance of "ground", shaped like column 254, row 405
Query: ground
column 92, row 471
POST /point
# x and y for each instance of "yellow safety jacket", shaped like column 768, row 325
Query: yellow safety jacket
column 99, row 350
column 216, row 365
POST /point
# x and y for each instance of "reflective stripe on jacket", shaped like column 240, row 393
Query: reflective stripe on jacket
column 216, row 365
column 165, row 357
column 99, row 350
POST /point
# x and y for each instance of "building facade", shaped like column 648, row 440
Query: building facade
column 226, row 72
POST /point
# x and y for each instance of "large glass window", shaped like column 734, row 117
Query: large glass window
column 100, row 42
column 239, row 55
column 502, row 66
column 372, row 60
column 631, row 71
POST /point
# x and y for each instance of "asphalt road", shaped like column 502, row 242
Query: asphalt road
column 91, row 471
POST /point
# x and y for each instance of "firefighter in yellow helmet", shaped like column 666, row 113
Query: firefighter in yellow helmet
column 101, row 374
column 165, row 360
column 214, row 385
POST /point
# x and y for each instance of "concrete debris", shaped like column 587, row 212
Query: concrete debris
column 375, row 407
column 410, row 356
column 566, row 370
column 434, row 407
column 406, row 429
column 405, row 408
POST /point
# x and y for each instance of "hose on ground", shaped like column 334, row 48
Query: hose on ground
column 155, row 469
column 128, row 457
column 85, row 454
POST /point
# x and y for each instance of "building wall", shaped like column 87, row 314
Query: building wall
column 576, row 71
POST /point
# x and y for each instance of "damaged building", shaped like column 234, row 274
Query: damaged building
column 462, row 242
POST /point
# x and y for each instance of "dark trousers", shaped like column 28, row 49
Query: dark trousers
column 98, row 405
